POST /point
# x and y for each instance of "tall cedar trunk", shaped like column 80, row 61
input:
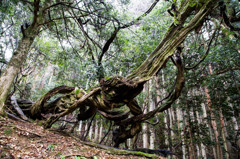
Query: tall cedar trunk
column 203, row 147
column 214, row 125
column 173, row 121
column 213, row 121
column 12, row 69
column 227, row 146
column 128, row 142
column 192, row 151
column 166, row 121
column 145, row 136
column 85, row 130
column 152, row 135
column 100, row 130
column 181, row 125
column 145, row 127
column 166, row 125
column 96, row 131
column 196, row 120
column 152, row 107
column 169, row 126
column 162, row 130
column 206, row 113
column 198, row 144
column 90, row 132
column 235, row 126
column 80, row 128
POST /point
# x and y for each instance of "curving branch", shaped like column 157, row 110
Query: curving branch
column 57, row 4
column 153, row 124
column 37, row 107
column 226, row 70
column 73, row 107
column 115, row 117
column 206, row 52
column 178, row 88
column 114, row 34
column 226, row 19
column 140, row 17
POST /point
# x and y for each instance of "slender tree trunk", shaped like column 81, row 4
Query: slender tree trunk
column 90, row 132
column 145, row 126
column 166, row 127
column 214, row 125
column 227, row 145
column 192, row 151
column 12, row 70
column 145, row 136
column 152, row 137
column 80, row 128
column 198, row 144
column 197, row 130
column 100, row 130
column 213, row 121
column 235, row 123
column 169, row 126
column 128, row 142
column 96, row 131
column 203, row 147
column 181, row 125
column 205, row 115
column 152, row 107
column 85, row 130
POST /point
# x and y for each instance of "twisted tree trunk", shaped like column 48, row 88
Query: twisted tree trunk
column 119, row 91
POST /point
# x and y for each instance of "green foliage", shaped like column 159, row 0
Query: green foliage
column 50, row 147
column 8, row 131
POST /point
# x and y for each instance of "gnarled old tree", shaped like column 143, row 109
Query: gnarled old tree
column 117, row 91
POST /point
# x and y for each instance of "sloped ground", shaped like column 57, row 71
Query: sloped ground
column 29, row 140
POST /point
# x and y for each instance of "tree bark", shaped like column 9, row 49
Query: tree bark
column 203, row 147
column 100, row 130
column 90, row 132
column 20, row 55
column 213, row 119
column 205, row 115
column 226, row 143
column 80, row 128
column 173, row 38
column 152, row 130
column 214, row 125
column 12, row 69
column 96, row 130
column 169, row 126
column 145, row 126
column 181, row 125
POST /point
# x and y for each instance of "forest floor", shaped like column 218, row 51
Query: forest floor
column 24, row 140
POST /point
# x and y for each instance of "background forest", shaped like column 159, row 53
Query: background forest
column 105, row 38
